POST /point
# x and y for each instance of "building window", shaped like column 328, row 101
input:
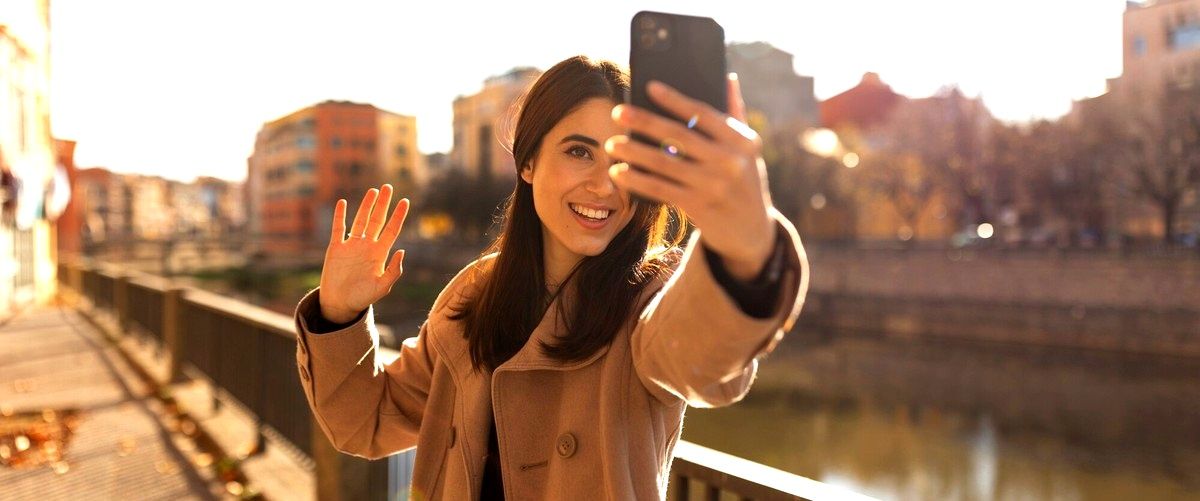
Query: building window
column 335, row 143
column 1139, row 46
column 1186, row 37
column 305, row 142
column 401, row 150
column 304, row 166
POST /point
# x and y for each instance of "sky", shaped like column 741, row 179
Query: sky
column 180, row 88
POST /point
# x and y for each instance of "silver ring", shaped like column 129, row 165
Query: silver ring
column 672, row 148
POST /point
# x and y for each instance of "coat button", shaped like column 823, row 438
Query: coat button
column 566, row 445
column 452, row 436
column 303, row 373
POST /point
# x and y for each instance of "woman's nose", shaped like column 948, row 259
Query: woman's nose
column 600, row 182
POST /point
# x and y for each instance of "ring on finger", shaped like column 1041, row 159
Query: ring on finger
column 672, row 148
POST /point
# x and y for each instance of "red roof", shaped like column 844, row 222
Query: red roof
column 864, row 105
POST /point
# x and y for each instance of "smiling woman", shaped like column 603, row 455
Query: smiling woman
column 559, row 363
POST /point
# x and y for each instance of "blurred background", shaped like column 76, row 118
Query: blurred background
column 1000, row 202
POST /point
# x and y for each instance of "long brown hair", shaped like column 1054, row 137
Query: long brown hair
column 512, row 299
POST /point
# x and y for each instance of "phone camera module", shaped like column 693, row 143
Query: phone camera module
column 647, row 40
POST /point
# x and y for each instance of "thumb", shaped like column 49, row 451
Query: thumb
column 395, row 268
column 737, row 106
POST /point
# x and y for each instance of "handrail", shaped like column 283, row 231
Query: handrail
column 718, row 471
column 222, row 339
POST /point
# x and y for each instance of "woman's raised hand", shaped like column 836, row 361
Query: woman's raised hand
column 712, row 168
column 356, row 272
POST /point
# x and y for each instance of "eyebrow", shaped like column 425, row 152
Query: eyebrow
column 581, row 138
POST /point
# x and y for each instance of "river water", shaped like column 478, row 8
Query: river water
column 907, row 419
column 911, row 419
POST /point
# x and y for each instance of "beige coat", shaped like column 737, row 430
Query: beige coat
column 603, row 428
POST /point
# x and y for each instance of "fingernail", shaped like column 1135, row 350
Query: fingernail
column 617, row 169
column 733, row 76
column 610, row 144
column 618, row 111
column 655, row 87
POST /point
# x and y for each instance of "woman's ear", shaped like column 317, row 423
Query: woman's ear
column 527, row 173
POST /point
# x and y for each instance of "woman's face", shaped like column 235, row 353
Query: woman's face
column 569, row 172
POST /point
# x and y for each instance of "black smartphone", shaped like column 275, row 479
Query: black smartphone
column 685, row 52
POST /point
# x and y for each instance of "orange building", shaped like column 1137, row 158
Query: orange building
column 302, row 163
column 69, row 228
column 1161, row 41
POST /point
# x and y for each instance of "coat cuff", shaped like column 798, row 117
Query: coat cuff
column 315, row 322
column 352, row 342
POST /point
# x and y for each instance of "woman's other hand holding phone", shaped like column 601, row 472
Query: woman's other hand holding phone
column 711, row 168
column 354, row 274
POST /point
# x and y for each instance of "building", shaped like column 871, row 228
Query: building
column 304, row 162
column 1160, row 53
column 27, row 157
column 868, row 118
column 1161, row 41
column 771, row 87
column 863, row 106
column 69, row 227
column 103, row 203
column 483, row 125
column 221, row 200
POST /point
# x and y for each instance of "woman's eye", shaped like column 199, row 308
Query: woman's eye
column 580, row 152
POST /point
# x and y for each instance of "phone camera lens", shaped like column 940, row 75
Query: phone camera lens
column 647, row 40
column 662, row 33
column 648, row 23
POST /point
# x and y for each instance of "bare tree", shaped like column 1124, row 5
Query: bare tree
column 1160, row 158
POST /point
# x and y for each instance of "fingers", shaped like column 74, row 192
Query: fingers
column 651, row 186
column 396, row 223
column 707, row 119
column 737, row 106
column 653, row 159
column 395, row 268
column 339, row 222
column 664, row 130
column 379, row 212
column 364, row 213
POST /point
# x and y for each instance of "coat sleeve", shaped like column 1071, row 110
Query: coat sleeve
column 370, row 404
column 366, row 407
column 693, row 342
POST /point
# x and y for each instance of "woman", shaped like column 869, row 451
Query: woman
column 559, row 363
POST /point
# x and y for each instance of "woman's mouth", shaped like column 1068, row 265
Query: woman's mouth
column 591, row 219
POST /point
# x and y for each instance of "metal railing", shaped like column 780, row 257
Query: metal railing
column 249, row 354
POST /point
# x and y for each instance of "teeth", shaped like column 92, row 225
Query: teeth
column 592, row 213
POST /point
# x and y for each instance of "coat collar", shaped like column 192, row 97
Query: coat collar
column 455, row 348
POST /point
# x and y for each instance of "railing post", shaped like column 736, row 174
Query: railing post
column 75, row 276
column 682, row 488
column 343, row 477
column 173, row 332
column 121, row 302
